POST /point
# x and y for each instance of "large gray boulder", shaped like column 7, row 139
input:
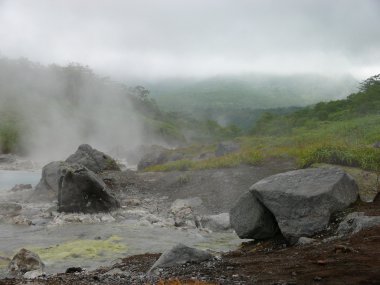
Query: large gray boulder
column 81, row 190
column 180, row 254
column 47, row 188
column 93, row 159
column 25, row 261
column 250, row 219
column 302, row 201
column 85, row 156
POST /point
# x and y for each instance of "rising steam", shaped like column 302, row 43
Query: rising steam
column 57, row 108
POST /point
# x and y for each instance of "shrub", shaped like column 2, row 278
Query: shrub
column 9, row 137
column 364, row 157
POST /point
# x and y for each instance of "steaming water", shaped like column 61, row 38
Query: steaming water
column 136, row 237
column 9, row 178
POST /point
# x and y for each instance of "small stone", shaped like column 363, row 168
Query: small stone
column 33, row 274
column 21, row 187
column 133, row 202
column 317, row 278
column 342, row 248
column 305, row 240
column 181, row 254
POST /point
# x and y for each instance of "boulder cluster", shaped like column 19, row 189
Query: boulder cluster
column 296, row 203
column 75, row 183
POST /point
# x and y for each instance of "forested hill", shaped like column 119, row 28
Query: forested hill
column 253, row 91
column 359, row 104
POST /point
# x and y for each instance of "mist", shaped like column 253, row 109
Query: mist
column 153, row 40
column 57, row 108
column 151, row 43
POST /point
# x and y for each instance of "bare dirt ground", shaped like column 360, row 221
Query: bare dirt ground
column 218, row 188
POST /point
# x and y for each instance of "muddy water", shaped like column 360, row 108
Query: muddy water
column 93, row 244
column 62, row 246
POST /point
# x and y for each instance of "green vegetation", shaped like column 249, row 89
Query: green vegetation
column 347, row 142
column 365, row 102
column 10, row 132
column 251, row 157
column 241, row 99
column 337, row 132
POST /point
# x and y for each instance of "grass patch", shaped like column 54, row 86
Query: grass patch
column 250, row 157
column 347, row 143
column 367, row 158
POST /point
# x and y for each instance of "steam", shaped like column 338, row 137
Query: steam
column 58, row 108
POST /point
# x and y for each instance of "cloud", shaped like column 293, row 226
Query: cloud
column 166, row 38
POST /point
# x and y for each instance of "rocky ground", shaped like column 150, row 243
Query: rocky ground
column 351, row 259
column 217, row 188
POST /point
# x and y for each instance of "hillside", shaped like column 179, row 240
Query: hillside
column 339, row 132
column 363, row 103
column 223, row 98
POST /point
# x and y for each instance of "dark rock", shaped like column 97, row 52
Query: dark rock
column 180, row 254
column 73, row 269
column 224, row 148
column 81, row 190
column 302, row 201
column 93, row 159
column 25, row 261
column 21, row 187
column 376, row 144
column 250, row 219
column 47, row 188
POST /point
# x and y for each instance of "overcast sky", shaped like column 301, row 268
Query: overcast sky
column 166, row 38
